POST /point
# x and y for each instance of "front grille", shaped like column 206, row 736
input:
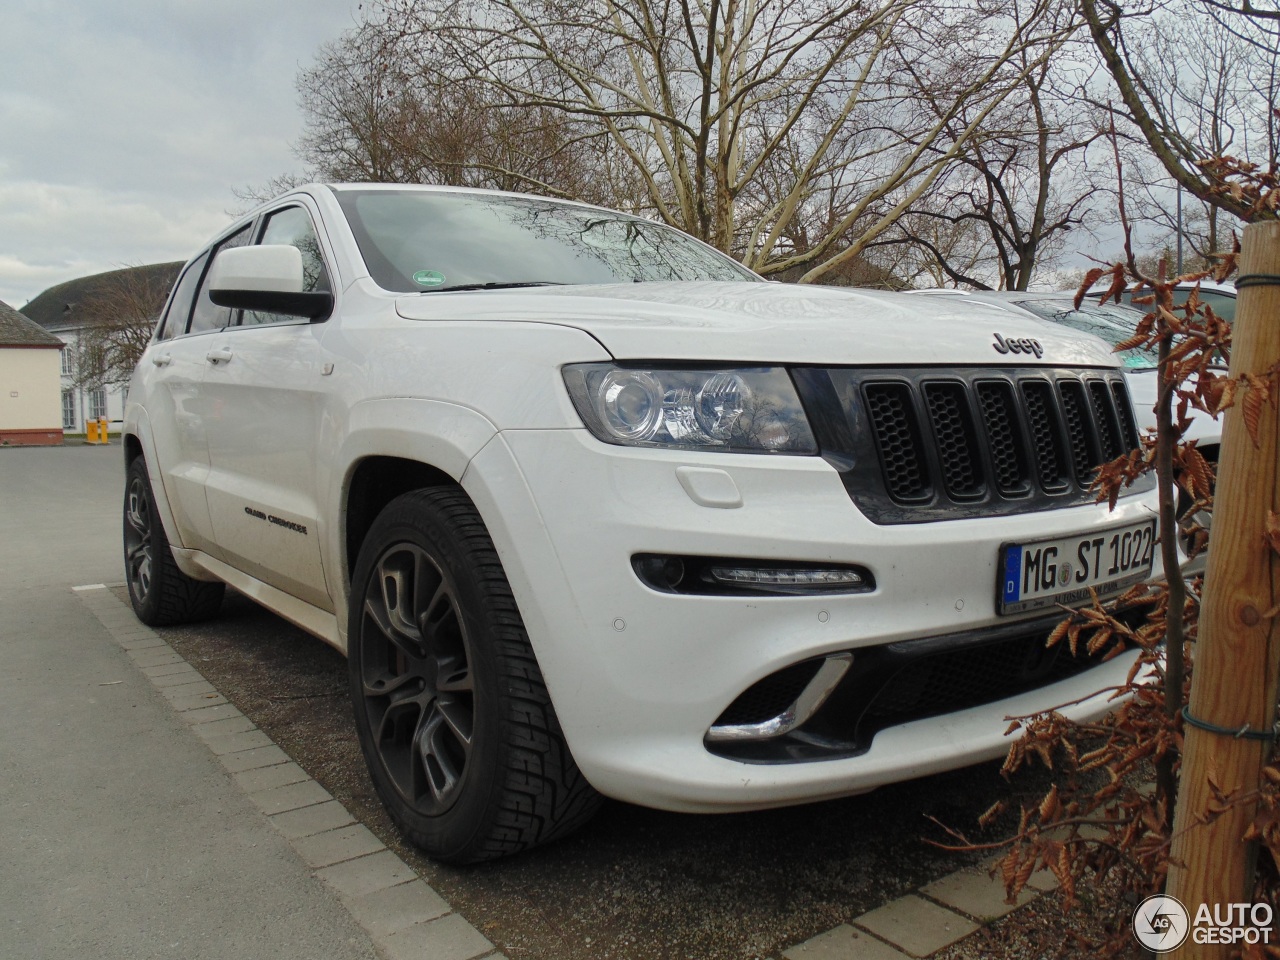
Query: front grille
column 898, row 438
column 956, row 439
column 1000, row 415
column 1046, row 435
column 1104, row 418
column 957, row 679
column 928, row 444
column 1077, row 417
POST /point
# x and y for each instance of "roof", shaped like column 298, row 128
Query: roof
column 56, row 307
column 18, row 331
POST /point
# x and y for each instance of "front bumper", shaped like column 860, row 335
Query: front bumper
column 638, row 676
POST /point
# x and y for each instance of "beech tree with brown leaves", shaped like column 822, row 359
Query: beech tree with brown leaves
column 1097, row 824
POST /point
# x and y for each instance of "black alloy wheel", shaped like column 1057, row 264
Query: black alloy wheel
column 453, row 716
column 161, row 594
column 416, row 678
column 139, row 545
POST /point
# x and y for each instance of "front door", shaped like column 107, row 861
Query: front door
column 263, row 392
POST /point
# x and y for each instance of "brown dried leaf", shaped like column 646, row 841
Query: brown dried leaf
column 1118, row 284
column 1058, row 633
column 1025, row 870
column 1009, row 869
column 1137, row 340
column 1271, row 532
column 1045, row 752
column 1252, row 410
column 1197, row 471
column 1099, row 640
column 1090, row 278
column 992, row 813
column 1227, row 396
column 1061, row 868
column 1050, row 805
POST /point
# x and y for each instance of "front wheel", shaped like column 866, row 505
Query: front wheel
column 161, row 594
column 454, row 719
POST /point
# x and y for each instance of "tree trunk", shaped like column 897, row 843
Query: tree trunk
column 1237, row 657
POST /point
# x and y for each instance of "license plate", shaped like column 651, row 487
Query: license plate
column 1049, row 572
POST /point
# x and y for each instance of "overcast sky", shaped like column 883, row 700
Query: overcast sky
column 125, row 126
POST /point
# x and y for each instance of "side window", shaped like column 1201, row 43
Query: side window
column 175, row 320
column 292, row 226
column 207, row 315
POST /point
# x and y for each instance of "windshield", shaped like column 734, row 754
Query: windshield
column 1112, row 323
column 417, row 241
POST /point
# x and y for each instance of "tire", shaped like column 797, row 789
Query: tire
column 161, row 594
column 453, row 716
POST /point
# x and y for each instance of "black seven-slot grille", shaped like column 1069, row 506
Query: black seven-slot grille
column 929, row 444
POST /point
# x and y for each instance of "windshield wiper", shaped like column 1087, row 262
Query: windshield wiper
column 495, row 285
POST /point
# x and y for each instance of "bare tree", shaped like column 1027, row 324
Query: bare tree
column 117, row 316
column 1192, row 94
column 1220, row 85
column 790, row 135
column 371, row 118
column 1022, row 184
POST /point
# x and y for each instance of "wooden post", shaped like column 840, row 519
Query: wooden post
column 1237, row 655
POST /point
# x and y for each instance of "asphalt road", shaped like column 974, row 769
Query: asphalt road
column 635, row 883
column 121, row 835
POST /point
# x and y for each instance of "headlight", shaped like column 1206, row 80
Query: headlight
column 753, row 409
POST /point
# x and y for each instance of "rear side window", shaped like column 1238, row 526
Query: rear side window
column 175, row 319
column 207, row 315
column 292, row 227
column 1224, row 306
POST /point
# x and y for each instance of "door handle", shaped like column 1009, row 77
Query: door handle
column 221, row 355
column 162, row 359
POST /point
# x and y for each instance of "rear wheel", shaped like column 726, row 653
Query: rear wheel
column 161, row 594
column 454, row 719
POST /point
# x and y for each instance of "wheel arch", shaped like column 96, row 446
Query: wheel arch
column 137, row 441
column 373, row 483
column 392, row 446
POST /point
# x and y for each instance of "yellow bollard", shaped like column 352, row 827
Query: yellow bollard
column 91, row 431
column 102, row 431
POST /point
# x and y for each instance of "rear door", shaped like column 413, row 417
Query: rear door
column 263, row 386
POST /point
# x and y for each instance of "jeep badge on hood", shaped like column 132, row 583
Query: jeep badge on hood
column 1020, row 345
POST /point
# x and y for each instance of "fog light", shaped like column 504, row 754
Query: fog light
column 785, row 577
column 666, row 572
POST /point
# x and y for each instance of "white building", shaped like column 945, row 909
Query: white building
column 28, row 381
column 59, row 310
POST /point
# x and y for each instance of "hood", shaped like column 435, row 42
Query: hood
column 773, row 323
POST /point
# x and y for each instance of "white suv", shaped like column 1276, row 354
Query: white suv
column 592, row 509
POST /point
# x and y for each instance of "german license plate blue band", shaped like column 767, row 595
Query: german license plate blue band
column 1012, row 574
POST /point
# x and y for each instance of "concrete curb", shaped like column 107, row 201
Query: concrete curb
column 937, row 916
column 404, row 917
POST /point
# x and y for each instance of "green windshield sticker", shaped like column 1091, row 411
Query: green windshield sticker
column 428, row 278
